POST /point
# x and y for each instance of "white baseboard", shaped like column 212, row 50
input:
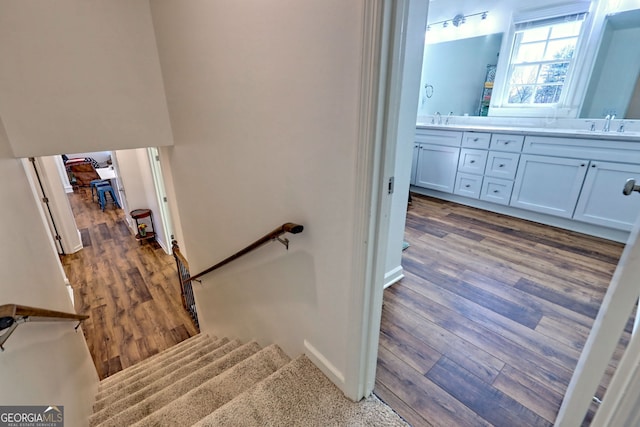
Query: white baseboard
column 393, row 276
column 68, row 188
column 324, row 365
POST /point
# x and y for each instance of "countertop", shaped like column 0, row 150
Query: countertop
column 563, row 133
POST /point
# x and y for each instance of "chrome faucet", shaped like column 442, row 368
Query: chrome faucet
column 446, row 122
column 607, row 122
column 439, row 116
column 593, row 125
column 621, row 127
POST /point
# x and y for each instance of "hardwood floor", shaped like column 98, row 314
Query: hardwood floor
column 488, row 324
column 129, row 290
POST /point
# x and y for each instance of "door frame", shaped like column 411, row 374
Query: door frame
column 393, row 34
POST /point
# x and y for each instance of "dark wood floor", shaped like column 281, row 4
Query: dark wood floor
column 490, row 319
column 129, row 289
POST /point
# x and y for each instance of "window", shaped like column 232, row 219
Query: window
column 541, row 59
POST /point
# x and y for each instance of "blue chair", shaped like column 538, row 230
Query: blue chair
column 103, row 190
column 95, row 184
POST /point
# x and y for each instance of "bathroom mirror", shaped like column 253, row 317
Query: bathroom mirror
column 614, row 86
column 454, row 75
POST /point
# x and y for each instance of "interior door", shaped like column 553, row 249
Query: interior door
column 615, row 310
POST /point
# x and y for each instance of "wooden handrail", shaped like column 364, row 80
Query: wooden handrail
column 34, row 313
column 288, row 227
column 11, row 315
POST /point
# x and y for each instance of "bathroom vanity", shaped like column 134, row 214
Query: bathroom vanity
column 570, row 178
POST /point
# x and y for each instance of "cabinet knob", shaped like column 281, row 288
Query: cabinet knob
column 593, row 165
column 501, row 165
column 472, row 161
column 496, row 191
column 468, row 185
column 506, row 142
column 630, row 186
column 475, row 139
column 582, row 165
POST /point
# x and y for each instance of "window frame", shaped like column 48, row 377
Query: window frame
column 569, row 101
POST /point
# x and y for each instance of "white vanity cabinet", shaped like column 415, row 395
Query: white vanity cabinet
column 601, row 200
column 549, row 185
column 565, row 180
column 437, row 159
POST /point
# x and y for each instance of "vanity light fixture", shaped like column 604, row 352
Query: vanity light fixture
column 459, row 19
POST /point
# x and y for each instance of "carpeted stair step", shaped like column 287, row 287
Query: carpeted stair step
column 176, row 349
column 209, row 396
column 299, row 395
column 159, row 364
column 133, row 408
column 200, row 356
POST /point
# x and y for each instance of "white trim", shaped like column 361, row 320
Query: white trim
column 368, row 169
column 551, row 12
column 390, row 28
column 323, row 364
column 164, row 214
column 393, row 276
column 621, row 406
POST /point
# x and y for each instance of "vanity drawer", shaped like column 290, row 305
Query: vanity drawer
column 504, row 142
column 476, row 140
column 496, row 190
column 472, row 161
column 502, row 165
column 440, row 137
column 468, row 185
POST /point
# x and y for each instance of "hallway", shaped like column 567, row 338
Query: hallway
column 129, row 289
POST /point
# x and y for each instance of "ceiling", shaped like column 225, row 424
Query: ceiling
column 440, row 10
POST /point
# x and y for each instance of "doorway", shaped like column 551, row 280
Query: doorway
column 128, row 288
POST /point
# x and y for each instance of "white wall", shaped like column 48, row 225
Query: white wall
column 80, row 76
column 44, row 363
column 263, row 99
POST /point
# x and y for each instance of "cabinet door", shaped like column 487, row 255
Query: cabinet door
column 436, row 168
column 601, row 201
column 414, row 163
column 549, row 185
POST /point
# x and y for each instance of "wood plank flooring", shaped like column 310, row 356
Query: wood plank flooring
column 488, row 324
column 129, row 289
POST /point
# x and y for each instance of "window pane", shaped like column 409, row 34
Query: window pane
column 553, row 73
column 547, row 94
column 535, row 34
column 560, row 49
column 530, row 52
column 520, row 94
column 570, row 29
column 524, row 74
